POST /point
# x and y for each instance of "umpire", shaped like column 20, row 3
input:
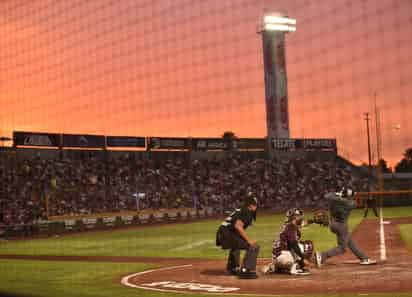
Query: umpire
column 370, row 202
column 232, row 235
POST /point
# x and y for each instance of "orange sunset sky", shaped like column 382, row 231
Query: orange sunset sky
column 194, row 68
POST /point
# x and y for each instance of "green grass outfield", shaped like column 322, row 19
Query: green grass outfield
column 194, row 240
column 406, row 235
column 75, row 279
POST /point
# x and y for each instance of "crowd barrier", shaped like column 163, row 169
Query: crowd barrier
column 70, row 224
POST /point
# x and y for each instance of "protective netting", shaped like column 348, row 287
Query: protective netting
column 194, row 68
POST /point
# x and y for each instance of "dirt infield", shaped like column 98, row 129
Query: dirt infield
column 341, row 275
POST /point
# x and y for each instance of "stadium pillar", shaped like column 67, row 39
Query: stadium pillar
column 273, row 28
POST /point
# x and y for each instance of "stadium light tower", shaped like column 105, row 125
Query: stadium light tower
column 273, row 28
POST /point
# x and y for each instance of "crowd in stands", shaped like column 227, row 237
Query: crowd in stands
column 73, row 187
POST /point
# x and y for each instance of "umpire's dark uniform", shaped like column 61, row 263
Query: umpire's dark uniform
column 370, row 202
column 228, row 237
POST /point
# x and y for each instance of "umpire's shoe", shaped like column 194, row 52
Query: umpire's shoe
column 245, row 273
column 233, row 270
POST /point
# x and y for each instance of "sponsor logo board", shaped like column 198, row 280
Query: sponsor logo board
column 89, row 223
column 126, row 141
column 109, row 221
column 69, row 224
column 36, row 139
column 158, row 216
column 144, row 217
column 127, row 220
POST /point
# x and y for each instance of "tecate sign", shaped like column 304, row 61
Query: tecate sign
column 191, row 286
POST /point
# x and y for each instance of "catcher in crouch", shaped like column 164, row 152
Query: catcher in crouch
column 289, row 255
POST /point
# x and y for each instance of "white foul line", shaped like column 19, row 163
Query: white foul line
column 192, row 245
column 382, row 236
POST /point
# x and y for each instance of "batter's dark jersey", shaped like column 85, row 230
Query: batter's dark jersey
column 289, row 232
column 340, row 207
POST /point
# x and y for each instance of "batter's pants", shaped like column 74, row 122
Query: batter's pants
column 344, row 241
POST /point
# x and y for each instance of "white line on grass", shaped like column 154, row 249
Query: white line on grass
column 382, row 236
column 192, row 245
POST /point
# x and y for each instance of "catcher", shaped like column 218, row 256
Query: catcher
column 289, row 255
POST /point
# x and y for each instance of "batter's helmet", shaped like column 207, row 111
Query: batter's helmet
column 347, row 192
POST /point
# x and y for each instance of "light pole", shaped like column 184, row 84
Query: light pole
column 273, row 28
column 369, row 151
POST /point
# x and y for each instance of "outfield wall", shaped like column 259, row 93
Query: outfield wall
column 81, row 223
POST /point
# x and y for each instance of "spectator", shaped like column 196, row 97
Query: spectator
column 90, row 186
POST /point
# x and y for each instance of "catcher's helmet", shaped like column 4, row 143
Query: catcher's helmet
column 294, row 213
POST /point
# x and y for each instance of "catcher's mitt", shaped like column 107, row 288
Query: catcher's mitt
column 307, row 247
column 320, row 217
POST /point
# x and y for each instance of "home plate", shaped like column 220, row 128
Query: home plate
column 386, row 222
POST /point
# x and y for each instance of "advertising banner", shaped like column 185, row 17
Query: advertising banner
column 158, row 216
column 36, row 139
column 109, row 221
column 284, row 143
column 184, row 214
column 168, row 143
column 70, row 225
column 200, row 144
column 144, row 218
column 193, row 213
column 125, row 141
column 303, row 144
column 282, row 88
column 209, row 211
column 250, row 143
column 43, row 227
column 172, row 215
column 89, row 223
column 319, row 144
column 89, row 141
column 127, row 220
column 202, row 213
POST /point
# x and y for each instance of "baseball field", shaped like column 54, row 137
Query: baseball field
column 172, row 259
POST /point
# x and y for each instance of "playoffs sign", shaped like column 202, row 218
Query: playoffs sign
column 303, row 144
